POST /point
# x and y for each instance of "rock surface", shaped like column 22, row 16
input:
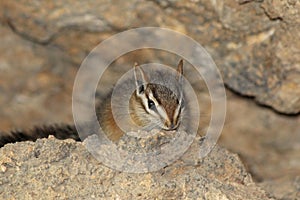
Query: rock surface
column 255, row 43
column 267, row 143
column 56, row 169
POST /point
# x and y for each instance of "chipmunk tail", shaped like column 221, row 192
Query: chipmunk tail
column 62, row 131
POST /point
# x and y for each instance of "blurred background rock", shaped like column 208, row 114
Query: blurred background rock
column 255, row 44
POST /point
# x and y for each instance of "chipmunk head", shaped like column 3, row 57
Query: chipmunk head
column 156, row 105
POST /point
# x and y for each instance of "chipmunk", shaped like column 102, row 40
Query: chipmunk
column 150, row 106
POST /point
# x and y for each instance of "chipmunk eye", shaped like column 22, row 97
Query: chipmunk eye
column 151, row 104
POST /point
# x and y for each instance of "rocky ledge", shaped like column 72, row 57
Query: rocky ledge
column 64, row 169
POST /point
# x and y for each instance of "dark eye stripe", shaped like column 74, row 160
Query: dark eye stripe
column 151, row 105
column 155, row 95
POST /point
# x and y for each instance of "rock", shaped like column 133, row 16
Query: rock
column 254, row 43
column 32, row 78
column 267, row 143
column 56, row 169
column 265, row 63
column 285, row 187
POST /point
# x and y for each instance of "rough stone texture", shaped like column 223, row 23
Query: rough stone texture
column 264, row 61
column 26, row 70
column 268, row 144
column 54, row 169
column 254, row 43
column 286, row 187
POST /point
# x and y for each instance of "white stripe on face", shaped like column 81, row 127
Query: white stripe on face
column 160, row 110
column 176, row 114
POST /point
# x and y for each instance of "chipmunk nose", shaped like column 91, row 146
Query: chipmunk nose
column 171, row 125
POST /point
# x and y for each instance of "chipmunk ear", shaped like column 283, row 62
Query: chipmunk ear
column 180, row 71
column 140, row 79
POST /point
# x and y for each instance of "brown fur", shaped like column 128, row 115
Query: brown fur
column 138, row 115
column 106, row 120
